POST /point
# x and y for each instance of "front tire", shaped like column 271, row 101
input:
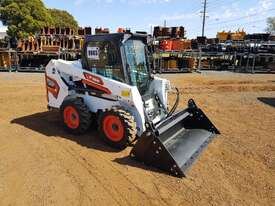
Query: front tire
column 117, row 127
column 75, row 115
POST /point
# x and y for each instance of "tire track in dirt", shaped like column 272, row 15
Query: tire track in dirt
column 224, row 88
column 75, row 177
column 106, row 160
column 89, row 169
column 118, row 174
column 152, row 175
column 38, row 155
column 31, row 158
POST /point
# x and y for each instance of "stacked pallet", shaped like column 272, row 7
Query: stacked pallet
column 65, row 31
column 53, row 40
column 175, row 45
column 170, row 42
column 191, row 63
column 102, row 31
column 234, row 36
column 5, row 60
column 8, row 59
column 169, row 64
column 238, row 35
column 172, row 32
column 223, row 36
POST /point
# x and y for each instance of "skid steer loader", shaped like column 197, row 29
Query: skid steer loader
column 112, row 84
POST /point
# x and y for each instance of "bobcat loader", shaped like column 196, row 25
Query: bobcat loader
column 112, row 84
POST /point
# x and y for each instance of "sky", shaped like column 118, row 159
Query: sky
column 141, row 15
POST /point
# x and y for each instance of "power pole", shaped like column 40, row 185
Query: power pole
column 204, row 17
column 203, row 33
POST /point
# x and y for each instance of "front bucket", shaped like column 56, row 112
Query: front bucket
column 174, row 144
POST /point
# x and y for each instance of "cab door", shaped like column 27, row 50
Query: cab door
column 103, row 58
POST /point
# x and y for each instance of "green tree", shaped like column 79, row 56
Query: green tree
column 270, row 25
column 24, row 17
column 62, row 19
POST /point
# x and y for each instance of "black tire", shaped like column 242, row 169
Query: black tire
column 128, row 123
column 83, row 113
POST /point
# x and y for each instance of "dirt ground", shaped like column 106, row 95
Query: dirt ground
column 40, row 164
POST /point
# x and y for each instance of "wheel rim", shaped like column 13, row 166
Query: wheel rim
column 113, row 128
column 71, row 117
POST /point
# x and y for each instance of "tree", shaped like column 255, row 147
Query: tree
column 24, row 17
column 62, row 19
column 270, row 25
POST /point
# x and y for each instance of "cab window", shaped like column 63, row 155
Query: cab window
column 103, row 58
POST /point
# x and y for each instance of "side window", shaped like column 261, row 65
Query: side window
column 103, row 57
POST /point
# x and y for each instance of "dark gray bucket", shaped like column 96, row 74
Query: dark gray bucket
column 174, row 144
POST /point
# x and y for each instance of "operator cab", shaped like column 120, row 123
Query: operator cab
column 122, row 57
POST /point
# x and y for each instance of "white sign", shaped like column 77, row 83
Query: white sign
column 93, row 53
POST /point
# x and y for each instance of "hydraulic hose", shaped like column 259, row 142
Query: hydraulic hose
column 176, row 103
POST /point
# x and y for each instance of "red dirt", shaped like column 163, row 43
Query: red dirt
column 40, row 164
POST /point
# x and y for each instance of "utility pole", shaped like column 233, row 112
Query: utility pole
column 204, row 17
column 165, row 23
column 203, row 33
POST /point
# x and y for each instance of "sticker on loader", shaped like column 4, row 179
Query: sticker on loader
column 93, row 53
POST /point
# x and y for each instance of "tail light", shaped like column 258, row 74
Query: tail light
column 52, row 86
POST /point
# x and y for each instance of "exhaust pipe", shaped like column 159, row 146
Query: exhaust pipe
column 175, row 143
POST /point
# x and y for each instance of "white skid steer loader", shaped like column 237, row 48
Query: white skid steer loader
column 113, row 85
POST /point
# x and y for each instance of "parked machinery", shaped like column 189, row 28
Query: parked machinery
column 113, row 85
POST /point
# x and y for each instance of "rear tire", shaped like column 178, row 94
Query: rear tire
column 117, row 127
column 75, row 115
